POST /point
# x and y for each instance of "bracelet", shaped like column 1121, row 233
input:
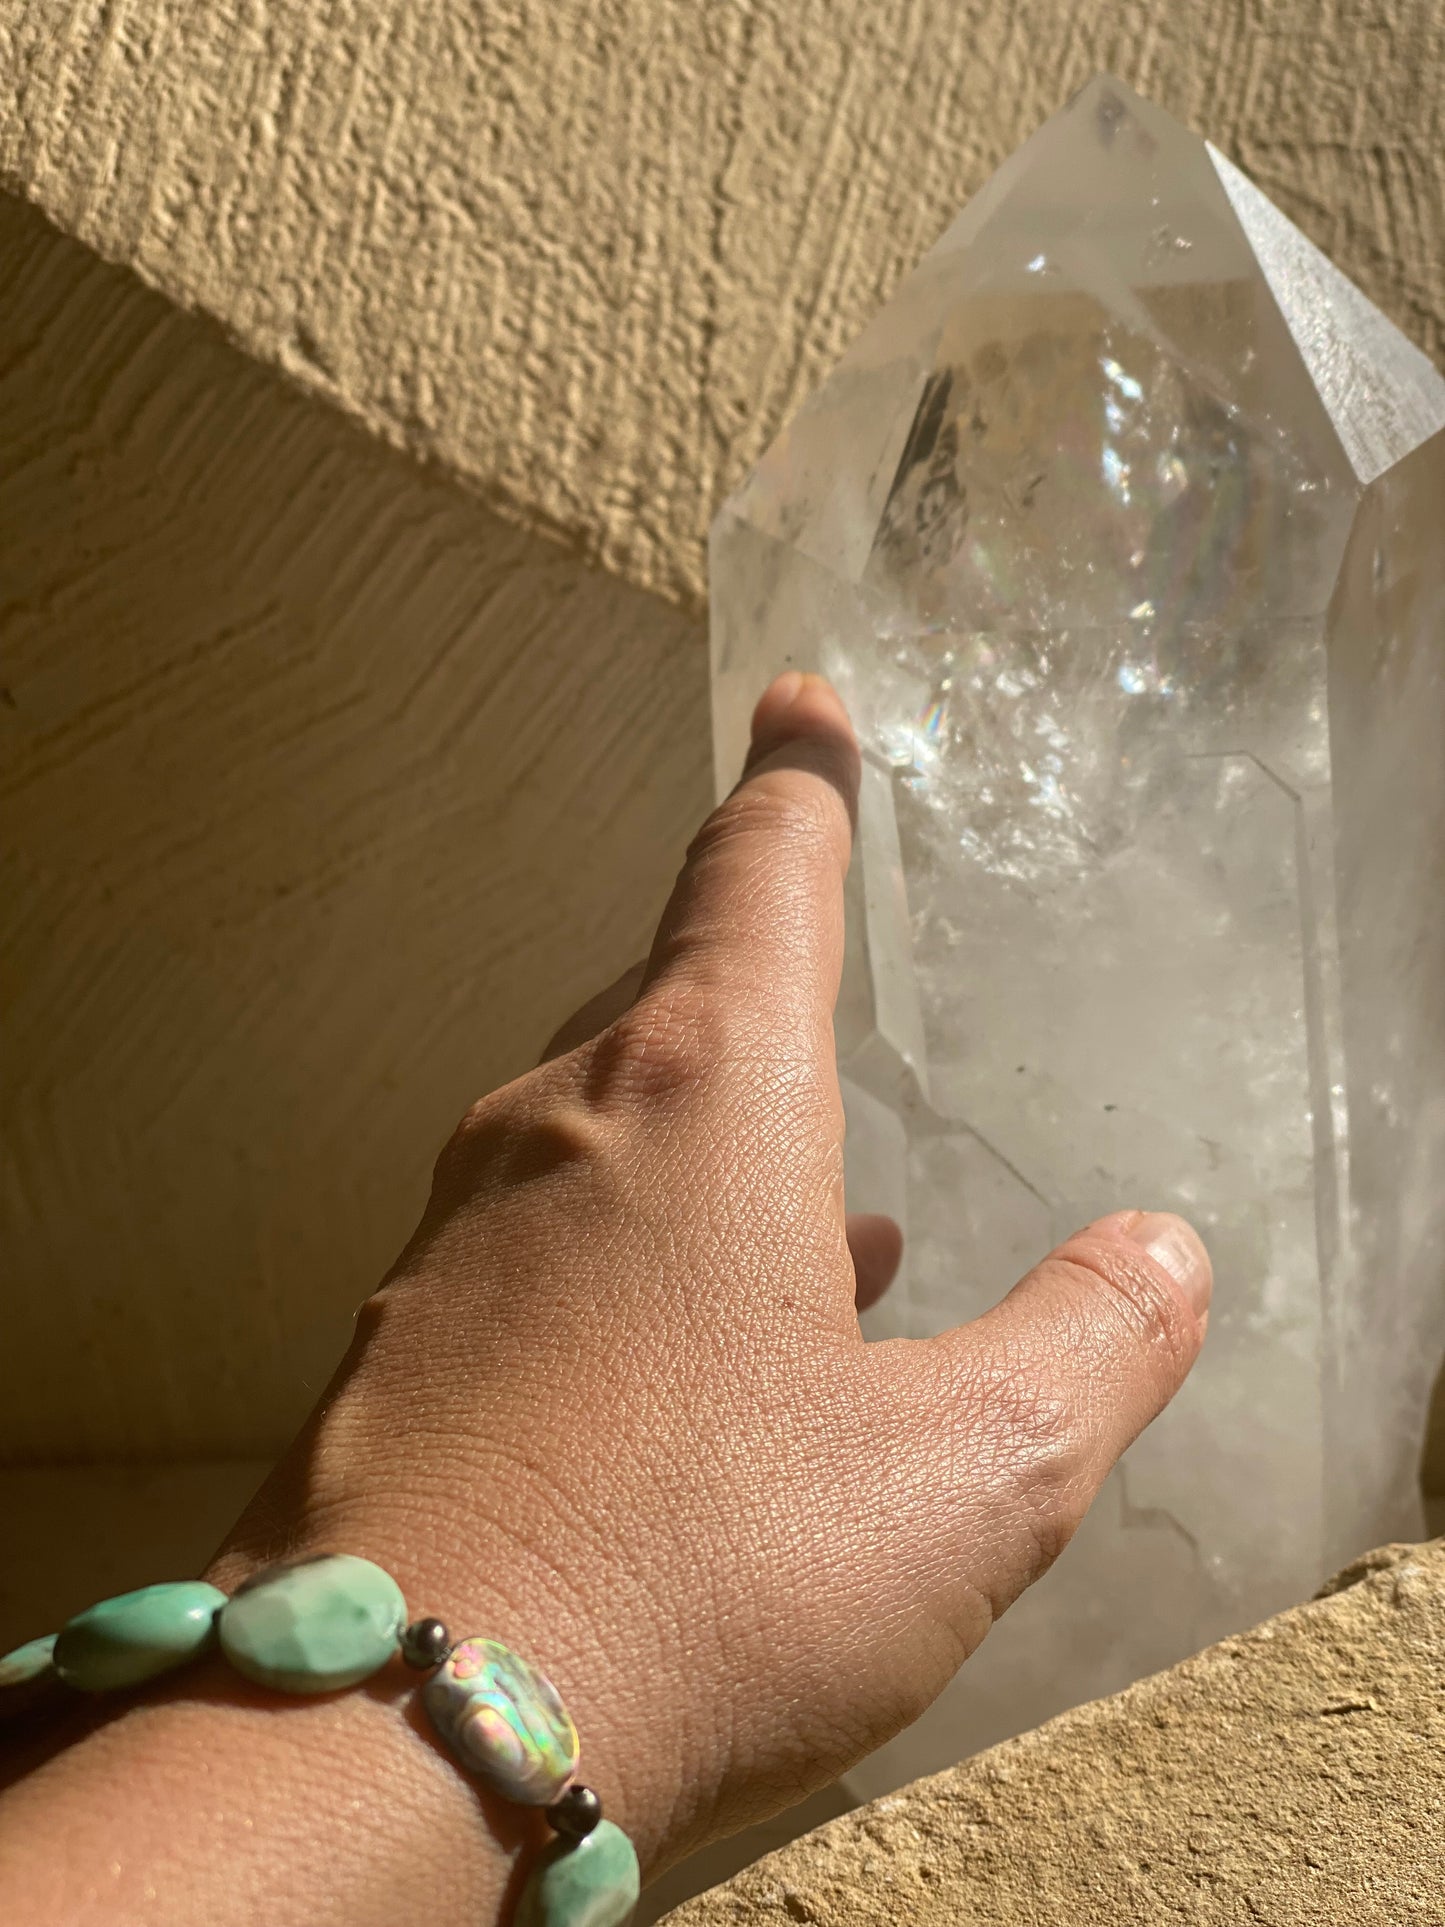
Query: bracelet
column 321, row 1624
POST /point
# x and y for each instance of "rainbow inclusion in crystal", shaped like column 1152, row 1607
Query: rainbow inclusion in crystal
column 504, row 1720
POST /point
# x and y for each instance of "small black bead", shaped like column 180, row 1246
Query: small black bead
column 576, row 1813
column 426, row 1642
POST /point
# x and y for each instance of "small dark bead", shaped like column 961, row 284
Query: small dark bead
column 426, row 1642
column 576, row 1813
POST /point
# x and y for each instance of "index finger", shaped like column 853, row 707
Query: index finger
column 758, row 906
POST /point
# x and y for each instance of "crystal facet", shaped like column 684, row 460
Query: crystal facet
column 1119, row 529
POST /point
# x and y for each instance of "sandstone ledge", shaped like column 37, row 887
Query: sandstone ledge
column 1289, row 1776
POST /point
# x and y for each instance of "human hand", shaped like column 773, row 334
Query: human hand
column 617, row 1381
column 613, row 1407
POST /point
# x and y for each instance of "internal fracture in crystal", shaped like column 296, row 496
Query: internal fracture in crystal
column 1119, row 531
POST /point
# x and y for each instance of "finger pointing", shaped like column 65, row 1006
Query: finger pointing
column 757, row 912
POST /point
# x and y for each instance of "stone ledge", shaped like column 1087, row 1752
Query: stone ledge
column 1289, row 1776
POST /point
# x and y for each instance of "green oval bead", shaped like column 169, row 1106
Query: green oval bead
column 27, row 1662
column 315, row 1625
column 593, row 1882
column 28, row 1677
column 504, row 1720
column 136, row 1635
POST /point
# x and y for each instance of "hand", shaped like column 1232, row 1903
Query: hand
column 613, row 1407
column 617, row 1379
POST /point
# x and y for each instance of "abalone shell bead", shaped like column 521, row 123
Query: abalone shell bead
column 504, row 1720
column 136, row 1635
column 313, row 1625
column 584, row 1883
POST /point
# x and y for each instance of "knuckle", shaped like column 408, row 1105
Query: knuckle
column 1024, row 1443
column 534, row 1130
column 1045, row 1464
column 796, row 815
column 665, row 1046
column 1123, row 1303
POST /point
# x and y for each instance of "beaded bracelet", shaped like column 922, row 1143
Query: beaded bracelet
column 318, row 1625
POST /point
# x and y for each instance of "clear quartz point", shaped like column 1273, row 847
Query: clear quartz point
column 1122, row 531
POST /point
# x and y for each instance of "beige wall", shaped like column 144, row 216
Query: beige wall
column 590, row 253
column 324, row 796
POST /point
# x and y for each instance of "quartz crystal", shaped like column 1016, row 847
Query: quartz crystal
column 1122, row 531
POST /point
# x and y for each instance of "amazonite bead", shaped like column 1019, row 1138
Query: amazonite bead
column 28, row 1677
column 593, row 1882
column 27, row 1662
column 136, row 1635
column 504, row 1720
column 315, row 1625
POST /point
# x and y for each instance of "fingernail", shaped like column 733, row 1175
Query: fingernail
column 1177, row 1246
column 775, row 702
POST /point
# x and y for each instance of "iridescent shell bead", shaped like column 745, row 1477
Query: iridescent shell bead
column 504, row 1720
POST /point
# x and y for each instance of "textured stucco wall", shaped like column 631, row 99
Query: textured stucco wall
column 323, row 797
column 590, row 253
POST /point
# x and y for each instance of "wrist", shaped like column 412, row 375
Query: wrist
column 487, row 1577
column 211, row 1799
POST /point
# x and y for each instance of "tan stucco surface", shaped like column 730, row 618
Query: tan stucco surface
column 590, row 256
column 324, row 796
column 1290, row 1776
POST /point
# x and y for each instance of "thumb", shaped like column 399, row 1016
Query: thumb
column 1057, row 1380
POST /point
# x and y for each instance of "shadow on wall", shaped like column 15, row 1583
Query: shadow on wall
column 1432, row 1460
column 325, row 797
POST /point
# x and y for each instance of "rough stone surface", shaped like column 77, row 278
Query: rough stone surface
column 590, row 256
column 1289, row 1776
